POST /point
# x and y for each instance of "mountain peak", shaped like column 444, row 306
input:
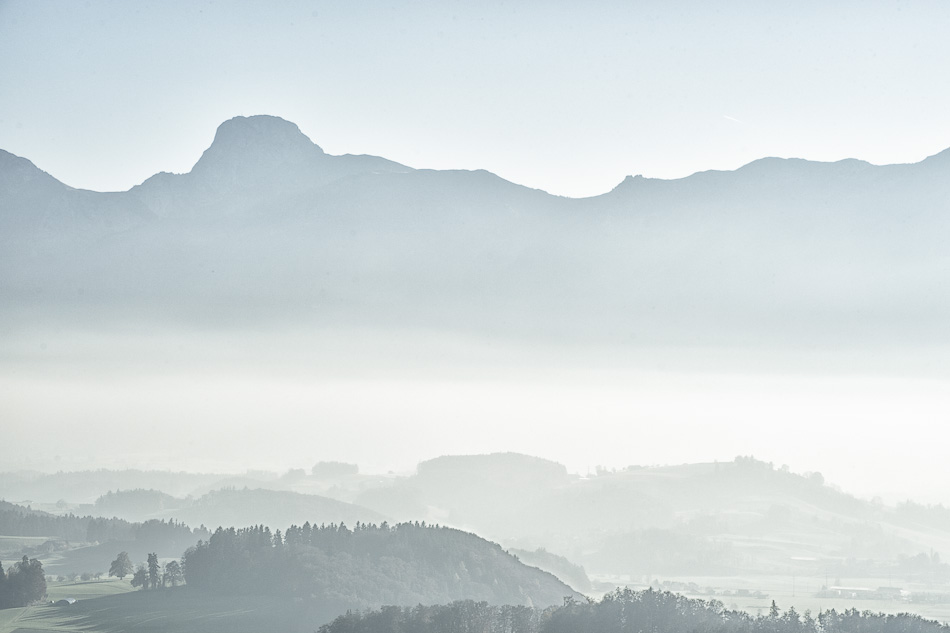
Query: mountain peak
column 243, row 131
column 249, row 143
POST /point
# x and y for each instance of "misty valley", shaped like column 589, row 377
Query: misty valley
column 173, row 353
column 498, row 542
column 482, row 316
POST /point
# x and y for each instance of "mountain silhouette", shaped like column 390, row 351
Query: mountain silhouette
column 778, row 251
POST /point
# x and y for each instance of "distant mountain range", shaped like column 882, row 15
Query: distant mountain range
column 267, row 228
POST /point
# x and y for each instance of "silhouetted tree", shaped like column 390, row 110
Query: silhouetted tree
column 140, row 577
column 122, row 566
column 3, row 588
column 153, row 568
column 24, row 583
column 172, row 575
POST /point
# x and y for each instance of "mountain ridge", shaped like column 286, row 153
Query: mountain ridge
column 780, row 250
column 273, row 132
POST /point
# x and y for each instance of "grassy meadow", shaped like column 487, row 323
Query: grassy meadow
column 113, row 607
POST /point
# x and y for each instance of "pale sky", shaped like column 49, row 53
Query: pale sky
column 567, row 97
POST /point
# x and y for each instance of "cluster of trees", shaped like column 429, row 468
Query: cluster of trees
column 923, row 566
column 151, row 575
column 22, row 584
column 369, row 565
column 622, row 611
column 171, row 532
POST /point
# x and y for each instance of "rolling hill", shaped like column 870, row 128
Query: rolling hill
column 724, row 519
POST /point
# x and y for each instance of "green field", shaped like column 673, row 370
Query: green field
column 109, row 607
column 87, row 590
column 8, row 617
column 47, row 618
column 112, row 606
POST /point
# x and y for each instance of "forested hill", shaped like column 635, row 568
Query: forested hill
column 16, row 520
column 368, row 566
column 87, row 543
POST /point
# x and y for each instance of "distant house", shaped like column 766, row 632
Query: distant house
column 861, row 593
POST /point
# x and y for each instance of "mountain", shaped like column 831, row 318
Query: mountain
column 251, row 160
column 268, row 228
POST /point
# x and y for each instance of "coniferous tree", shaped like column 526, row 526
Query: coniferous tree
column 3, row 588
column 153, row 568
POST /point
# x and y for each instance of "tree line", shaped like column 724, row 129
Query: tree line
column 150, row 575
column 19, row 521
column 622, row 611
column 22, row 584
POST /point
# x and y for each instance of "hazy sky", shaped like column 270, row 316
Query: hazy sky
column 568, row 97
